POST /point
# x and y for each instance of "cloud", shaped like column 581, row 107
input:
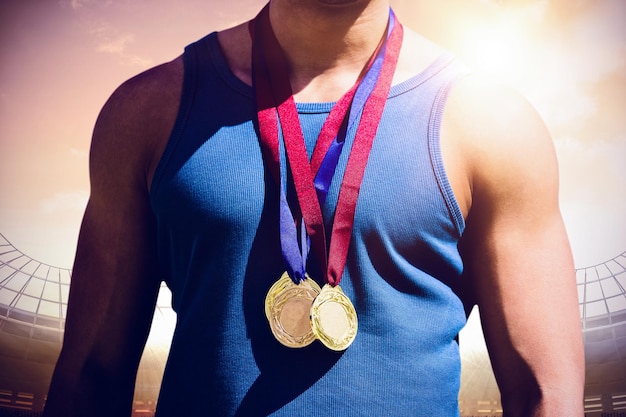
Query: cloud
column 79, row 152
column 598, row 37
column 596, row 231
column 117, row 45
column 593, row 183
column 77, row 5
column 570, row 59
column 565, row 105
column 593, row 175
column 107, row 37
column 65, row 201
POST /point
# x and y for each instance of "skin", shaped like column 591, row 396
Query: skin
column 500, row 162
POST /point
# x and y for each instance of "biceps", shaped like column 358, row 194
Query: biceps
column 526, row 291
column 114, row 285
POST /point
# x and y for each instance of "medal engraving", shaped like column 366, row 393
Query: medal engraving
column 277, row 288
column 333, row 318
column 287, row 307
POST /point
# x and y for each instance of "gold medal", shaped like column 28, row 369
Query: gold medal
column 333, row 318
column 287, row 308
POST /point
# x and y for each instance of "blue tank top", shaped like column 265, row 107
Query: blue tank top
column 217, row 212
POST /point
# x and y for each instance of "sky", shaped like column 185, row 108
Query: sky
column 61, row 59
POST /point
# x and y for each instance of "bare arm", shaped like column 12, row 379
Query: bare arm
column 115, row 280
column 516, row 252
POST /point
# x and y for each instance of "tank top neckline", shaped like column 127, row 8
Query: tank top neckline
column 221, row 65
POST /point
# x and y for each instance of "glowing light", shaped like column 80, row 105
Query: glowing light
column 494, row 55
column 497, row 49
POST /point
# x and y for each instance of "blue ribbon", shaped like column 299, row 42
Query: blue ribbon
column 328, row 166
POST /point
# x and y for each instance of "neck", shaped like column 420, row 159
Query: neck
column 327, row 45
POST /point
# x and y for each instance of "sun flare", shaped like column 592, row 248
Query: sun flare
column 497, row 49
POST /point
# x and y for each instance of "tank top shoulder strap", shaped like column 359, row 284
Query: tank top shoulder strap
column 204, row 67
column 452, row 72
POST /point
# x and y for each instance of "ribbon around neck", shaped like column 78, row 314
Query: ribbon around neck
column 312, row 180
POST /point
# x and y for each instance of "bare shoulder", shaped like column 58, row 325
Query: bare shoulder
column 137, row 119
column 148, row 95
column 496, row 143
column 489, row 111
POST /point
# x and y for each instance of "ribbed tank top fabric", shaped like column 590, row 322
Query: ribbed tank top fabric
column 217, row 215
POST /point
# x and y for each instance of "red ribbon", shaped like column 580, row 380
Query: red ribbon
column 274, row 95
